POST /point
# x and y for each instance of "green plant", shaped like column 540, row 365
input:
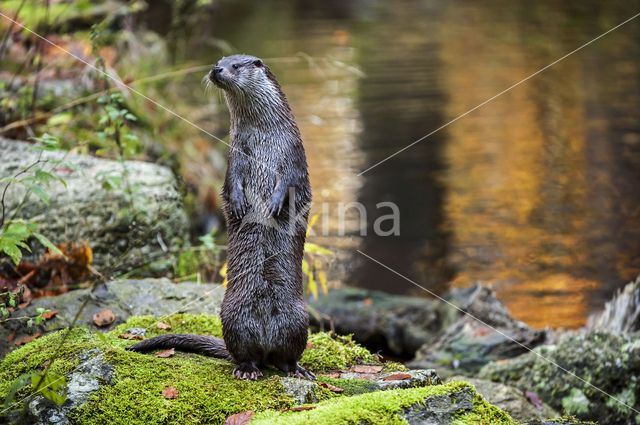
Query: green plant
column 14, row 233
column 201, row 261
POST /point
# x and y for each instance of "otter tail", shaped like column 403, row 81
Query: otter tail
column 200, row 344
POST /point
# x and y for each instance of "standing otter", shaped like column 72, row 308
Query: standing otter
column 266, row 196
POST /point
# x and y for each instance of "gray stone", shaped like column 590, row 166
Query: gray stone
column 622, row 313
column 439, row 409
column 87, row 378
column 85, row 211
column 125, row 298
column 511, row 400
column 301, row 390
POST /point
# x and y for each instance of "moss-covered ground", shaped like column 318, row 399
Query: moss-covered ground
column 382, row 407
column 207, row 392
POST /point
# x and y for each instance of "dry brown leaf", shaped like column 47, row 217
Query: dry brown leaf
column 309, row 345
column 366, row 369
column 24, row 304
column 397, row 377
column 10, row 338
column 331, row 387
column 167, row 353
column 163, row 326
column 170, row 393
column 49, row 314
column 367, row 301
column 26, row 339
column 46, row 363
column 104, row 318
column 331, row 375
column 241, row 418
column 130, row 336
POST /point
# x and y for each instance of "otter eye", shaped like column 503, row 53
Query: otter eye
column 235, row 66
column 257, row 63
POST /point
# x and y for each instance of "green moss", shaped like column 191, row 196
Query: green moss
column 327, row 353
column 351, row 386
column 207, row 391
column 201, row 324
column 382, row 407
column 483, row 413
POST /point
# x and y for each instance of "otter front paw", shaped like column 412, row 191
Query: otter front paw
column 276, row 203
column 248, row 371
column 237, row 205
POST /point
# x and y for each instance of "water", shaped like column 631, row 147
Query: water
column 536, row 192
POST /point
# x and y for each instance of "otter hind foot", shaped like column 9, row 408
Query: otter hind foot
column 300, row 372
column 247, row 370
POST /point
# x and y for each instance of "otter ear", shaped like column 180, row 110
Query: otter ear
column 258, row 63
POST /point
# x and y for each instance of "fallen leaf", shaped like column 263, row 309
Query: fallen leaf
column 10, row 337
column 104, row 318
column 331, row 375
column 130, row 336
column 331, row 387
column 163, row 326
column 298, row 409
column 241, row 418
column 24, row 304
column 49, row 314
column 533, row 399
column 170, row 393
column 397, row 377
column 46, row 363
column 481, row 332
column 167, row 353
column 367, row 301
column 309, row 345
column 26, row 339
column 366, row 369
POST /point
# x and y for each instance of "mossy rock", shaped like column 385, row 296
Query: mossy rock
column 608, row 367
column 107, row 384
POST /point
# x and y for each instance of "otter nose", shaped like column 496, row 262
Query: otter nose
column 216, row 70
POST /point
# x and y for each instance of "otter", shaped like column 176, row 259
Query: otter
column 266, row 197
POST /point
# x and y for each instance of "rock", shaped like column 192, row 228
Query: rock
column 125, row 298
column 396, row 324
column 560, row 421
column 622, row 313
column 86, row 379
column 394, row 380
column 302, row 392
column 107, row 384
column 511, row 400
column 142, row 237
column 604, row 362
column 439, row 409
column 469, row 344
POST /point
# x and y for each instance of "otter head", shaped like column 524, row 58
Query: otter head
column 239, row 73
column 247, row 83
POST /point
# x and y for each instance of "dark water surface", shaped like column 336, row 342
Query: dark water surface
column 537, row 192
